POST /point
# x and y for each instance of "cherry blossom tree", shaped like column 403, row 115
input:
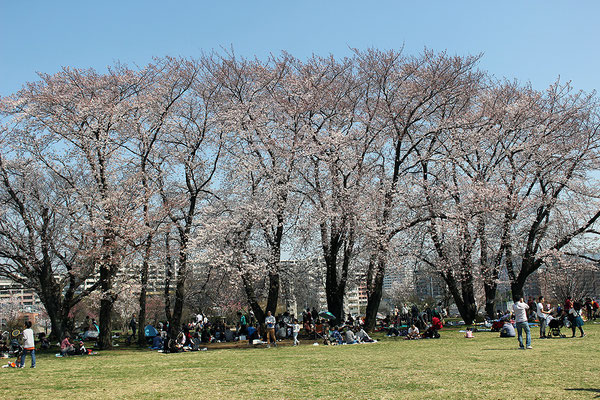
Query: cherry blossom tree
column 265, row 105
column 75, row 122
column 166, row 81
column 191, row 147
column 411, row 100
column 338, row 166
column 499, row 180
column 41, row 246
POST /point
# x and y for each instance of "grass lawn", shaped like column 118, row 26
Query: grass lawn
column 486, row 367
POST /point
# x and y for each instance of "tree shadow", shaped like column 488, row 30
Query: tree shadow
column 585, row 390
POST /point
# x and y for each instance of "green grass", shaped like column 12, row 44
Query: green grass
column 487, row 367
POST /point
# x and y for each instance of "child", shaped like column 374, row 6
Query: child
column 81, row 350
column 413, row 332
column 295, row 331
column 469, row 333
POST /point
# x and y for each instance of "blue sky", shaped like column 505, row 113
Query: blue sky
column 529, row 40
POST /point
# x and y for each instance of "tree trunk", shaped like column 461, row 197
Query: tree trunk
column 168, row 277
column 142, row 313
column 374, row 294
column 490, row 299
column 57, row 323
column 468, row 312
column 177, row 314
column 516, row 288
column 106, row 308
column 53, row 304
column 273, row 296
column 335, row 305
column 252, row 299
column 464, row 298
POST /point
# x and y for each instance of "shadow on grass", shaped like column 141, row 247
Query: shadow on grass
column 585, row 390
column 504, row 349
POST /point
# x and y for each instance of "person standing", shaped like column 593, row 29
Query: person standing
column 405, row 314
column 133, row 325
column 86, row 324
column 588, row 308
column 542, row 315
column 295, row 330
column 568, row 304
column 243, row 324
column 28, row 345
column 577, row 321
column 270, row 323
column 520, row 309
column 532, row 307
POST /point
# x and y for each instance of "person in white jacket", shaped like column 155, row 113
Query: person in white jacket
column 520, row 310
column 28, row 345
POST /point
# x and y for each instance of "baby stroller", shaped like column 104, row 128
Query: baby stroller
column 555, row 324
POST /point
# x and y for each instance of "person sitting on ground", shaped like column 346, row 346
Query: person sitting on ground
column 508, row 330
column 4, row 349
column 205, row 336
column 281, row 332
column 336, row 336
column 180, row 342
column 319, row 327
column 188, row 336
column 349, row 336
column 229, row 334
column 469, row 333
column 393, row 331
column 413, row 332
column 66, row 347
column 157, row 342
column 432, row 330
column 349, row 320
column 80, row 349
column 363, row 336
column 44, row 342
column 195, row 343
column 252, row 333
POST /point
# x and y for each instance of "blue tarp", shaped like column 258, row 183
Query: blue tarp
column 150, row 331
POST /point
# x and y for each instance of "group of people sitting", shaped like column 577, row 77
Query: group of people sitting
column 195, row 333
column 421, row 318
column 76, row 348
column 430, row 332
column 192, row 335
column 346, row 335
